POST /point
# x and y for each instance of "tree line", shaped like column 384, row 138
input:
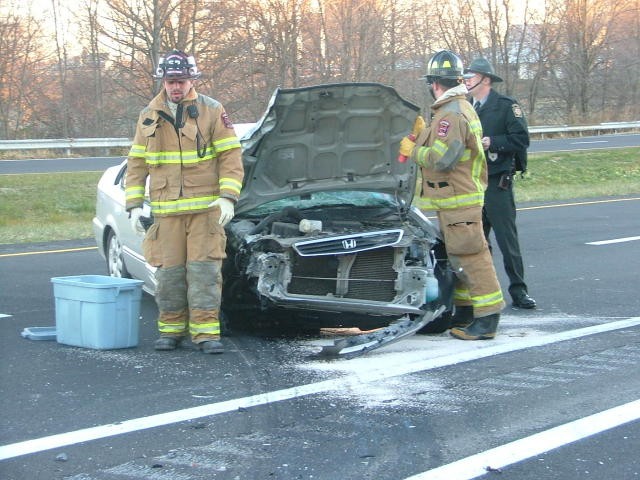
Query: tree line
column 83, row 68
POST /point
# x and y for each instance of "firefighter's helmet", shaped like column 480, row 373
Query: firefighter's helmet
column 444, row 65
column 177, row 65
column 483, row 67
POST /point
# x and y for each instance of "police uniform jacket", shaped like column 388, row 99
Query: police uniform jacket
column 191, row 160
column 449, row 152
column 503, row 121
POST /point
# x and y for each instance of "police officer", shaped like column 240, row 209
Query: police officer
column 505, row 134
column 454, row 176
column 186, row 145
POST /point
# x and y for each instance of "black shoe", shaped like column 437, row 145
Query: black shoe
column 211, row 346
column 483, row 328
column 166, row 343
column 463, row 316
column 524, row 301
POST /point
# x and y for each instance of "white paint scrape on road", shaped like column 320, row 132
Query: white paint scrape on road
column 391, row 366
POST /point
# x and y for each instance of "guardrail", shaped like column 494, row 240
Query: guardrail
column 599, row 128
column 69, row 144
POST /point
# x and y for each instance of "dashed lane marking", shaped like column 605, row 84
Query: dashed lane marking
column 615, row 240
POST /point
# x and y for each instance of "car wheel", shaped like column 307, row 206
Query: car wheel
column 115, row 262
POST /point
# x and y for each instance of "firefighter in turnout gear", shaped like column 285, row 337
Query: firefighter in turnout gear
column 454, row 176
column 186, row 145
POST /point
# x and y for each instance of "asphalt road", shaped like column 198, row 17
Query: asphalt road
column 554, row 396
column 15, row 167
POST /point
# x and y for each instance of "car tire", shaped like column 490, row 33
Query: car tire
column 115, row 260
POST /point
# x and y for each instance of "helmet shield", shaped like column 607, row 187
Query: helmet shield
column 177, row 65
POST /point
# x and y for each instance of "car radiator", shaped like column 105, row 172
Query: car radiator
column 367, row 275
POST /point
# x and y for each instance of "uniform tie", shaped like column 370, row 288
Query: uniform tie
column 477, row 106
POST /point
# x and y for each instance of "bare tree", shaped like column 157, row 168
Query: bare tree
column 20, row 79
column 573, row 60
column 581, row 72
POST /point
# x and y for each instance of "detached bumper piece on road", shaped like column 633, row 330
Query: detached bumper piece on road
column 351, row 347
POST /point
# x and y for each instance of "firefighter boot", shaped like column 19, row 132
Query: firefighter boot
column 483, row 328
column 166, row 343
column 463, row 316
column 211, row 346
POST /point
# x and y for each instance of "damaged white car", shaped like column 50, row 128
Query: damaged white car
column 324, row 233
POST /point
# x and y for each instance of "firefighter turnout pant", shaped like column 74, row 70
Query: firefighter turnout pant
column 188, row 251
column 476, row 280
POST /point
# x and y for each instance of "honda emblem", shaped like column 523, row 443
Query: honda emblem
column 349, row 244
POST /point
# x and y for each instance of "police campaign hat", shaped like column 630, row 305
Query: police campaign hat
column 483, row 67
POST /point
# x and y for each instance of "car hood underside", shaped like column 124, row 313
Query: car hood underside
column 328, row 137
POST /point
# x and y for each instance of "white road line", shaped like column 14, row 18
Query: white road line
column 4, row 315
column 589, row 142
column 615, row 240
column 510, row 453
column 351, row 381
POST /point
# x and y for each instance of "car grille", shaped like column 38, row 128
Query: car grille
column 348, row 243
column 371, row 277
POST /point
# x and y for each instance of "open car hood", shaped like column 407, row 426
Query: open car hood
column 328, row 137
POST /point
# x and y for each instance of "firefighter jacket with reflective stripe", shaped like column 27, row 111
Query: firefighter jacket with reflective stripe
column 449, row 152
column 191, row 158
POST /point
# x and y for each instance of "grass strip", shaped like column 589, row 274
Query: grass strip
column 60, row 206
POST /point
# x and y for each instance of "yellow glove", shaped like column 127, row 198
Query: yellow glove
column 406, row 148
column 407, row 144
column 418, row 126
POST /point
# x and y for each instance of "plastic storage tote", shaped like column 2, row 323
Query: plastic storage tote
column 97, row 311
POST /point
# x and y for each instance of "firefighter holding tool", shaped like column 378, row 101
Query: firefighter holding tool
column 454, row 177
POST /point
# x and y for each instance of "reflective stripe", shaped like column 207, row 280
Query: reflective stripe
column 182, row 205
column 466, row 200
column 232, row 184
column 170, row 327
column 421, row 156
column 476, row 127
column 423, row 203
column 461, row 294
column 479, row 301
column 212, row 328
column 440, row 147
column 487, row 300
column 225, row 144
column 134, row 193
column 137, row 151
column 186, row 157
